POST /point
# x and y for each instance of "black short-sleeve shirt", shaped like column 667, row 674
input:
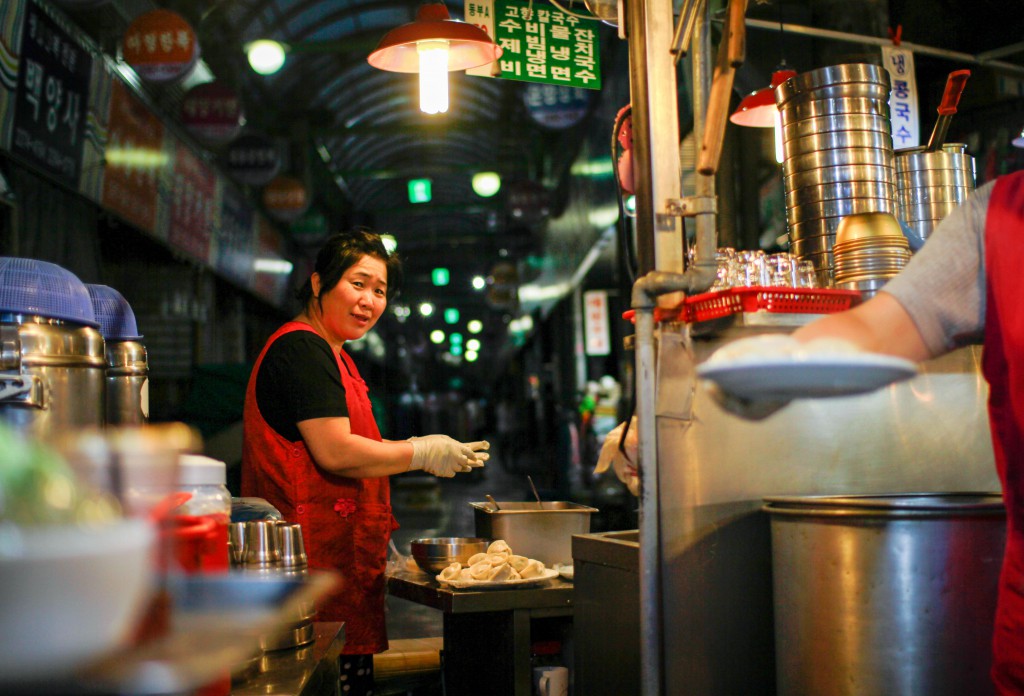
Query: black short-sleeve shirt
column 298, row 380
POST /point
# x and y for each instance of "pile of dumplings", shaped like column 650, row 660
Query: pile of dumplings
column 497, row 564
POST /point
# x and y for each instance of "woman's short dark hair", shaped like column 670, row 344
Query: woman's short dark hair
column 343, row 250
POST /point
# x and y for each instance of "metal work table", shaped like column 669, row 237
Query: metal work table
column 308, row 670
column 486, row 633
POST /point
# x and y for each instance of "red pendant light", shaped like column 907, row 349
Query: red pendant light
column 432, row 46
column 758, row 108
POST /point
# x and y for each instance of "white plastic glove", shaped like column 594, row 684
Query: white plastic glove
column 443, row 456
column 611, row 456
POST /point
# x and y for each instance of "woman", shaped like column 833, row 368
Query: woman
column 311, row 446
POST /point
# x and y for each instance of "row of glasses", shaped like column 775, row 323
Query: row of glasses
column 759, row 269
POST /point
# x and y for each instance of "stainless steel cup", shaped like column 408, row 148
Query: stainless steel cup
column 262, row 543
column 293, row 550
column 236, row 542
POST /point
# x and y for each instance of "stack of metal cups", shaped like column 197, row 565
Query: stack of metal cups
column 930, row 184
column 870, row 249
column 839, row 161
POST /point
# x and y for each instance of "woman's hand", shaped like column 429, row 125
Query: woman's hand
column 443, row 456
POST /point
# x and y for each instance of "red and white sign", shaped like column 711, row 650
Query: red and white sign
column 285, row 198
column 160, row 46
column 595, row 323
column 212, row 112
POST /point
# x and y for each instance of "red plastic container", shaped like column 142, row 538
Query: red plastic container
column 782, row 300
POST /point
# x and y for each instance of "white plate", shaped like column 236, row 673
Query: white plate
column 807, row 376
column 504, row 585
column 565, row 570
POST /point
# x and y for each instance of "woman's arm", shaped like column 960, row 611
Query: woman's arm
column 880, row 325
column 335, row 448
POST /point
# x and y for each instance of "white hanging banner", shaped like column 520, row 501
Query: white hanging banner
column 906, row 121
column 595, row 322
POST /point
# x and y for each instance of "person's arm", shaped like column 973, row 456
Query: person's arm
column 880, row 325
column 337, row 449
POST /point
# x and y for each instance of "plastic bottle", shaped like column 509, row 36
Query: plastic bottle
column 201, row 522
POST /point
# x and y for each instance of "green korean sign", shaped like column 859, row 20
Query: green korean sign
column 540, row 43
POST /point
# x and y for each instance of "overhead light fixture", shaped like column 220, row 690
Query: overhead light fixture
column 475, row 326
column 437, row 336
column 433, row 46
column 486, row 184
column 265, row 56
column 758, row 109
column 1019, row 140
column 479, row 282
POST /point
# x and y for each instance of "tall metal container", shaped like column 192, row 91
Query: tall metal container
column 892, row 594
column 51, row 352
column 127, row 364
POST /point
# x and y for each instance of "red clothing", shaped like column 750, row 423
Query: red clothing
column 346, row 522
column 1003, row 366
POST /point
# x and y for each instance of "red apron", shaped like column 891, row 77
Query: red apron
column 1003, row 366
column 346, row 522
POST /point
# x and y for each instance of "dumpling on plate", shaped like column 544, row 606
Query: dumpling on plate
column 452, row 572
column 476, row 558
column 518, row 562
column 481, row 570
column 533, row 569
column 497, row 559
column 499, row 546
column 504, row 573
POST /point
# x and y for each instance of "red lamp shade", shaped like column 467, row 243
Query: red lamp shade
column 758, row 108
column 468, row 45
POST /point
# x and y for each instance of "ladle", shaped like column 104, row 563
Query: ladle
column 535, row 493
column 947, row 107
column 492, row 501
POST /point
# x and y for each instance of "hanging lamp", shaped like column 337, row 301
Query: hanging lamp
column 758, row 108
column 433, row 46
column 1019, row 140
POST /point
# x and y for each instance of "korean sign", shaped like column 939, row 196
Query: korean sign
column 53, row 90
column 906, row 124
column 595, row 322
column 540, row 43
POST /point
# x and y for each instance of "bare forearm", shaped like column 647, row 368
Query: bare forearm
column 336, row 449
column 880, row 325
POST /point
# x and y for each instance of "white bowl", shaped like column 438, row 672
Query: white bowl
column 69, row 594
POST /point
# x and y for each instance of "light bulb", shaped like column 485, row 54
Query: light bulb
column 780, row 156
column 433, row 76
column 265, row 56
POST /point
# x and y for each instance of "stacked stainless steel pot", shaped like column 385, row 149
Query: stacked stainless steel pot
column 127, row 377
column 52, row 363
column 931, row 184
column 839, row 156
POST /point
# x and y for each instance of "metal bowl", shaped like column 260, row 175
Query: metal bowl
column 435, row 554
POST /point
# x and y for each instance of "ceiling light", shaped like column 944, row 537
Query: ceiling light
column 433, row 46
column 426, row 309
column 471, row 356
column 486, row 184
column 390, row 243
column 473, row 344
column 451, row 316
column 437, row 336
column 475, row 326
column 1019, row 140
column 479, row 282
column 265, row 56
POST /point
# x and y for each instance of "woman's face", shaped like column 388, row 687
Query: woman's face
column 354, row 305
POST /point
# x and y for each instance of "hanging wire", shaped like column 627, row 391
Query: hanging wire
column 575, row 14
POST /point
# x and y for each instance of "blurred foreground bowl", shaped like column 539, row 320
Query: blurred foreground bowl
column 69, row 594
column 436, row 554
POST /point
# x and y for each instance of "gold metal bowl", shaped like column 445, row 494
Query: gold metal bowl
column 435, row 554
column 866, row 225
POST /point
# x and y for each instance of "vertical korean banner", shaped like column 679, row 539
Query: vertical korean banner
column 11, row 16
column 540, row 43
column 595, row 322
column 906, row 123
column 134, row 160
column 190, row 215
column 50, row 101
column 97, row 131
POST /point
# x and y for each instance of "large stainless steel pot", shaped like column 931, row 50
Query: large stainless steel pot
column 885, row 594
column 51, row 375
column 127, row 383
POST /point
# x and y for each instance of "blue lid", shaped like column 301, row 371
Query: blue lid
column 40, row 288
column 117, row 320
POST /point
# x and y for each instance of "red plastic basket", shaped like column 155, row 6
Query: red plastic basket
column 782, row 300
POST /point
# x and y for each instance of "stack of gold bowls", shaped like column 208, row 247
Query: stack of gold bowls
column 869, row 250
